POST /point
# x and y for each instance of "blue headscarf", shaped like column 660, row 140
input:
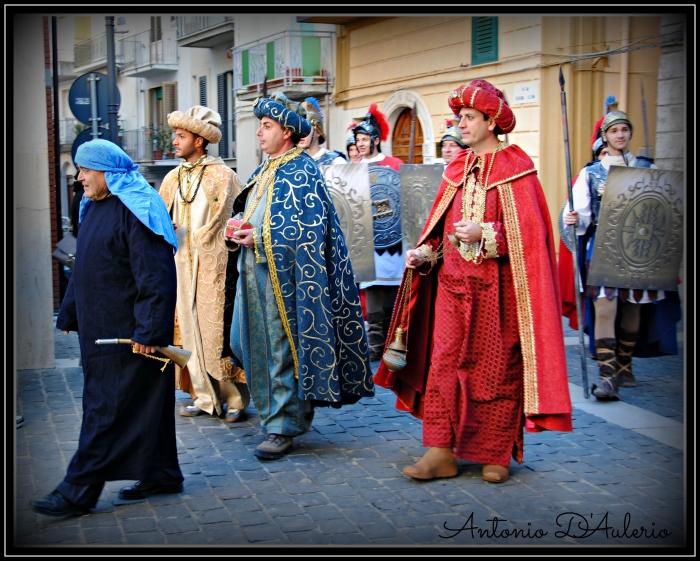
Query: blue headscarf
column 124, row 181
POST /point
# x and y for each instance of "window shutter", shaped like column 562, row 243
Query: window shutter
column 271, row 61
column 169, row 99
column 203, row 90
column 224, row 144
column 156, row 33
column 245, row 66
column 484, row 40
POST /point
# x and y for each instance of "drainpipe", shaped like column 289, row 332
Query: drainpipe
column 624, row 65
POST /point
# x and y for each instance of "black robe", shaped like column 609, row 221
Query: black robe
column 123, row 285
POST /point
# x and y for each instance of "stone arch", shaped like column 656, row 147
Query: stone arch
column 393, row 107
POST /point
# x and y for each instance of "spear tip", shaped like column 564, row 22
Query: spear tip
column 561, row 77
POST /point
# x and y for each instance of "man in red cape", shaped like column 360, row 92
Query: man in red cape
column 484, row 337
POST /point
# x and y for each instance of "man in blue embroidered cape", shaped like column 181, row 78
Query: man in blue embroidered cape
column 297, row 329
column 123, row 286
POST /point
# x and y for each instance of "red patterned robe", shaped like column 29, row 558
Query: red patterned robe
column 485, row 340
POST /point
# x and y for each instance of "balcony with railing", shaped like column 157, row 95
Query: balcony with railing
column 300, row 63
column 90, row 54
column 149, row 53
column 142, row 146
column 69, row 129
column 204, row 31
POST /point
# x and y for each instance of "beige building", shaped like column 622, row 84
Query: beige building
column 405, row 62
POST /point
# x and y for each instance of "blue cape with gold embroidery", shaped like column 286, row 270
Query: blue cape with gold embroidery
column 314, row 281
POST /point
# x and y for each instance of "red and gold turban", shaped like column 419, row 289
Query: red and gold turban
column 484, row 97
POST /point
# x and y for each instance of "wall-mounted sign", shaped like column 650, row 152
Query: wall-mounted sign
column 528, row 92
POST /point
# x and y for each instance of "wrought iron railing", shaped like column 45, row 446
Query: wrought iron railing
column 69, row 129
column 141, row 146
column 188, row 25
column 297, row 57
column 91, row 51
column 139, row 51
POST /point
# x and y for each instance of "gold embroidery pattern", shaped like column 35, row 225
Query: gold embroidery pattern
column 274, row 279
column 427, row 251
column 522, row 296
column 473, row 210
column 489, row 236
column 512, row 178
column 500, row 108
column 471, row 102
column 447, row 197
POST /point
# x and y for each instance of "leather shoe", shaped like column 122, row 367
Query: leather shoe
column 274, row 447
column 191, row 411
column 144, row 489
column 494, row 473
column 55, row 504
column 437, row 462
column 233, row 415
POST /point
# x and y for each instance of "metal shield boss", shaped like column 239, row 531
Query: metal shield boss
column 639, row 239
column 385, row 189
column 350, row 190
column 565, row 232
column 419, row 187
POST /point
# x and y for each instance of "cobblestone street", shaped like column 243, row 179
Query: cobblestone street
column 622, row 467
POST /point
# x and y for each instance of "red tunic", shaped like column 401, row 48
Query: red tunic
column 485, row 341
column 389, row 161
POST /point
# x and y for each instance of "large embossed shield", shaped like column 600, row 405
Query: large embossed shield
column 639, row 240
column 385, row 188
column 350, row 190
column 419, row 187
column 565, row 232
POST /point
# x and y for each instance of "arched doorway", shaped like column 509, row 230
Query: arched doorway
column 402, row 136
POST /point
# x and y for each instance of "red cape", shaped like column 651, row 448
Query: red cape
column 528, row 228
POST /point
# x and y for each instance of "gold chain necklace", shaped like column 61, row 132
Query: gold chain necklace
column 265, row 177
column 183, row 198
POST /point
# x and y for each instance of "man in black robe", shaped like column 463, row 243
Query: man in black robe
column 123, row 286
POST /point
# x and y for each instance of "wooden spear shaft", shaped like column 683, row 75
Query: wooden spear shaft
column 567, row 156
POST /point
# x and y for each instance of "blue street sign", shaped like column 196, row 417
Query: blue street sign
column 80, row 102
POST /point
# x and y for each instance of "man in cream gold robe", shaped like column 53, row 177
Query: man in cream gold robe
column 199, row 195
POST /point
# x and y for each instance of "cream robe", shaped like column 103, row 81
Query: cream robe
column 201, row 269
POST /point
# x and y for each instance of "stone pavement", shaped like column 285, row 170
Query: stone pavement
column 623, row 466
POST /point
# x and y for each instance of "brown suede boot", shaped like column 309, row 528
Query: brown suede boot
column 436, row 462
column 625, row 346
column 607, row 363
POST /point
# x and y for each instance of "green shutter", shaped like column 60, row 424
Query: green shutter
column 311, row 56
column 484, row 40
column 244, row 64
column 271, row 60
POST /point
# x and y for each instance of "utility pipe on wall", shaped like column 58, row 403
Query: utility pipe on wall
column 624, row 64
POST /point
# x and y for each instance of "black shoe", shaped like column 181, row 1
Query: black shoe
column 55, row 504
column 144, row 489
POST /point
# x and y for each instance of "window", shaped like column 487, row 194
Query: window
column 484, row 40
column 203, row 90
column 224, row 88
column 156, row 31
